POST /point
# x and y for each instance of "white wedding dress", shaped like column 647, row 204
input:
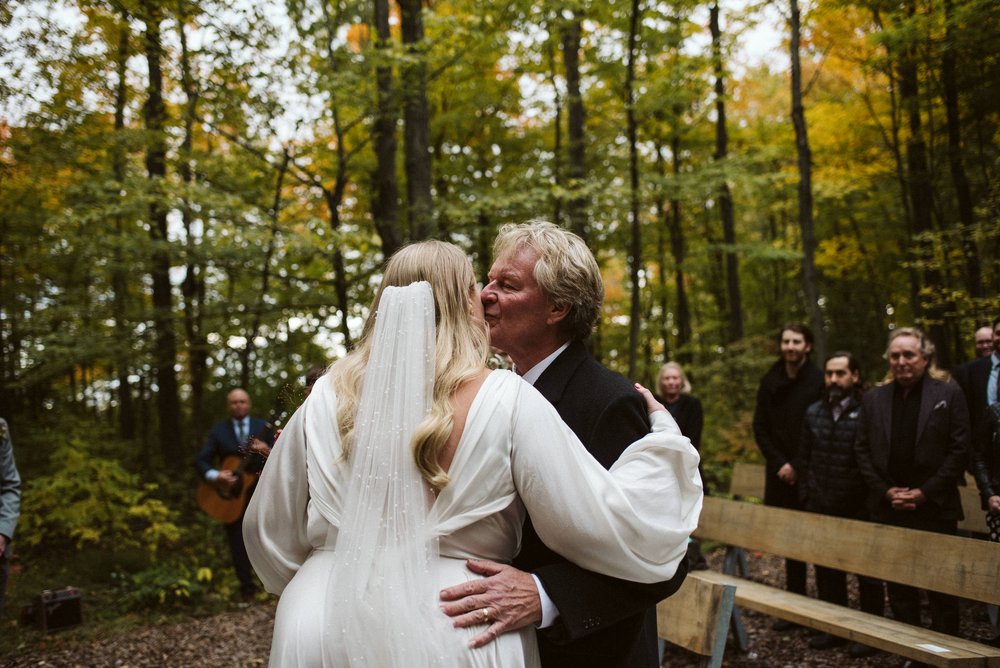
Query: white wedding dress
column 515, row 455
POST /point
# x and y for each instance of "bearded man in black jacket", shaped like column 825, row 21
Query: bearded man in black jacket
column 830, row 483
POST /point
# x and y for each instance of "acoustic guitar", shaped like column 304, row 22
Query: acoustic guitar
column 226, row 506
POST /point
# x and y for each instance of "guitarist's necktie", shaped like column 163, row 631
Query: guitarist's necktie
column 241, row 433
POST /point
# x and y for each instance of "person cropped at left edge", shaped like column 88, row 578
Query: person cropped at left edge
column 233, row 437
column 10, row 504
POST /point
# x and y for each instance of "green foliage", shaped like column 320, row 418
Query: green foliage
column 164, row 586
column 87, row 500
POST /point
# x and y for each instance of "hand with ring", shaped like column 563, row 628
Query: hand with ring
column 503, row 598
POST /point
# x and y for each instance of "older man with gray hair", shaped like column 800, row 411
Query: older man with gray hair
column 542, row 301
column 911, row 450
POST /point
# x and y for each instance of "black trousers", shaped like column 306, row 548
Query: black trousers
column 241, row 561
column 904, row 599
column 831, row 584
column 782, row 495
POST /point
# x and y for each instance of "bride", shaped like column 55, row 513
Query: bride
column 410, row 457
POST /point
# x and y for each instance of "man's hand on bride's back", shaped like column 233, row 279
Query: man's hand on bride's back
column 652, row 405
column 504, row 600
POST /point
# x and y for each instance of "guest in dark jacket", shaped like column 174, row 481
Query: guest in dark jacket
column 911, row 450
column 986, row 468
column 829, row 481
column 786, row 390
column 675, row 394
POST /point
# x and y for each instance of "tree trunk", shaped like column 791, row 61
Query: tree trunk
column 663, row 216
column 576, row 170
column 119, row 278
column 385, row 200
column 265, row 275
column 557, row 176
column 921, row 188
column 895, row 145
column 165, row 340
column 416, row 122
column 963, row 193
column 735, row 309
column 809, row 277
column 635, row 250
column 684, row 332
column 193, row 285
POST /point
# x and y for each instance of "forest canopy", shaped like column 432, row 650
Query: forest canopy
column 199, row 194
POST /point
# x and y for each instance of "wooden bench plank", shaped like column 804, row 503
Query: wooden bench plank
column 950, row 564
column 916, row 643
column 748, row 482
column 697, row 616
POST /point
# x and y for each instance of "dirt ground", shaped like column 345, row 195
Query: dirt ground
column 242, row 637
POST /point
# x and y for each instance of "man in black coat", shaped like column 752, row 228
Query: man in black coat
column 978, row 380
column 543, row 298
column 232, row 438
column 785, row 391
column 912, row 449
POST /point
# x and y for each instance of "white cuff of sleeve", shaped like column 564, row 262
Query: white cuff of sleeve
column 211, row 475
column 550, row 613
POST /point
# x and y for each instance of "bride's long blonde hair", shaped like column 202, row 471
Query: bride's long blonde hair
column 462, row 347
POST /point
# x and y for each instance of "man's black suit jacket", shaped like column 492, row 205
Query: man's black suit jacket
column 973, row 377
column 604, row 622
column 940, row 455
column 222, row 442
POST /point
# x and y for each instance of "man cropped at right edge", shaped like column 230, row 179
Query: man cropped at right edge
column 912, row 448
column 979, row 380
column 542, row 301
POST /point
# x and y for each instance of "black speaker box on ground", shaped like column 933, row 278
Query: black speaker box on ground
column 58, row 609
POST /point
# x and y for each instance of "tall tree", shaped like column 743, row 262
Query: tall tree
column 576, row 159
column 416, row 122
column 960, row 181
column 119, row 271
column 193, row 284
column 809, row 278
column 165, row 339
column 735, row 306
column 385, row 198
column 635, row 220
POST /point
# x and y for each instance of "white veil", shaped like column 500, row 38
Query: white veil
column 382, row 595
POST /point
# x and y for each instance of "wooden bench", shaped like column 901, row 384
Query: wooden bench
column 748, row 482
column 950, row 564
column 697, row 617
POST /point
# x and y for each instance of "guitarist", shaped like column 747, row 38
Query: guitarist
column 237, row 436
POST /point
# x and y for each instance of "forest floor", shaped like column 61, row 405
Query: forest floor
column 241, row 638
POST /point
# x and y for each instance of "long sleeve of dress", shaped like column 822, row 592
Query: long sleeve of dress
column 275, row 525
column 631, row 522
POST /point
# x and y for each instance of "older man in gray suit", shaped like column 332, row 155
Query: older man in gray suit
column 10, row 505
column 912, row 449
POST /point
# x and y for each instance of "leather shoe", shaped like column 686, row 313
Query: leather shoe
column 826, row 641
column 858, row 651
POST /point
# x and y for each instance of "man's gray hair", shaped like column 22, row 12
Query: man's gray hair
column 927, row 348
column 566, row 271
